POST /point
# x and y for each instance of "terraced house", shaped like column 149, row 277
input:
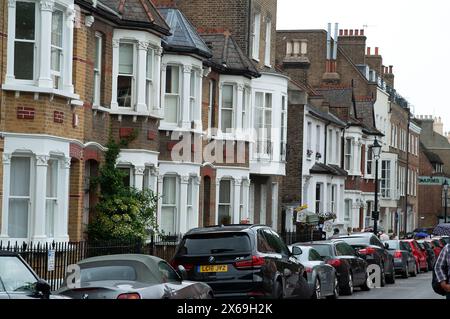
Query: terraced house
column 206, row 112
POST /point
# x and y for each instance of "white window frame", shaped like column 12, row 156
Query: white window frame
column 211, row 89
column 386, row 181
column 348, row 156
column 318, row 138
column 348, row 212
column 149, row 77
column 174, row 206
column 268, row 48
column 222, row 204
column 177, row 96
column 57, row 76
column 369, row 160
column 193, row 94
column 256, row 36
column 233, row 107
column 283, row 129
column 264, row 147
column 309, row 140
column 245, row 108
column 98, row 69
column 338, row 148
column 333, row 198
column 318, row 203
column 50, row 226
column 132, row 76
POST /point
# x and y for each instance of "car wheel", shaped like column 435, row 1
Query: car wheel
column 390, row 279
column 317, row 293
column 406, row 272
column 365, row 286
column 335, row 294
column 277, row 290
column 348, row 289
column 414, row 273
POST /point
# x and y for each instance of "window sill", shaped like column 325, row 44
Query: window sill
column 164, row 126
column 37, row 89
column 130, row 112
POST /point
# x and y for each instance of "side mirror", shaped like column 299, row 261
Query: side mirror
column 181, row 271
column 386, row 245
column 43, row 288
column 296, row 251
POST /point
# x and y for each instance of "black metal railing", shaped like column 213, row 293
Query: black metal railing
column 50, row 260
column 302, row 237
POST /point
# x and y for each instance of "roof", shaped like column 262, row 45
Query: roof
column 130, row 13
column 320, row 168
column 146, row 259
column 184, row 37
column 432, row 157
column 228, row 57
column 327, row 116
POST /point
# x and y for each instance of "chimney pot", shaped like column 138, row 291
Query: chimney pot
column 368, row 50
column 351, row 32
column 341, row 32
column 346, row 32
column 390, row 69
column 361, row 32
column 357, row 32
column 377, row 50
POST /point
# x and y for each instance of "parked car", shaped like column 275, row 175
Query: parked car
column 446, row 239
column 351, row 269
column 428, row 250
column 421, row 258
column 404, row 261
column 242, row 261
column 322, row 277
column 374, row 252
column 435, row 245
column 133, row 277
column 19, row 281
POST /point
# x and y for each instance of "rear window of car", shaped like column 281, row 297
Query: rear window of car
column 222, row 243
column 393, row 244
column 323, row 250
column 106, row 273
column 356, row 240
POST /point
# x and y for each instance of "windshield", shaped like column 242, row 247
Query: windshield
column 216, row 244
column 323, row 250
column 15, row 276
column 356, row 240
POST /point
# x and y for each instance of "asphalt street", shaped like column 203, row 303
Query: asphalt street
column 411, row 288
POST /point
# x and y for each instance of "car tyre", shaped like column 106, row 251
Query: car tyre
column 277, row 290
column 390, row 279
column 336, row 290
column 383, row 276
column 348, row 289
column 365, row 286
column 414, row 273
column 405, row 273
column 317, row 293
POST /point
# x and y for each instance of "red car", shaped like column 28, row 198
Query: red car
column 437, row 246
column 419, row 256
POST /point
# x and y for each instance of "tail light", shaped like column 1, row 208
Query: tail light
column 398, row 254
column 334, row 262
column 309, row 270
column 129, row 296
column 175, row 265
column 254, row 262
column 367, row 251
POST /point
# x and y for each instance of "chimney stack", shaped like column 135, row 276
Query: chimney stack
column 368, row 50
column 390, row 69
column 377, row 51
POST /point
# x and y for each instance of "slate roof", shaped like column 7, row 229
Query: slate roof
column 130, row 13
column 320, row 168
column 327, row 116
column 228, row 57
column 184, row 37
column 432, row 157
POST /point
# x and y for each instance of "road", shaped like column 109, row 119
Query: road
column 411, row 288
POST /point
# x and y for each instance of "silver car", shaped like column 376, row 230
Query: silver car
column 321, row 276
column 132, row 277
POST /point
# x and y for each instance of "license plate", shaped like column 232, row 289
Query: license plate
column 213, row 268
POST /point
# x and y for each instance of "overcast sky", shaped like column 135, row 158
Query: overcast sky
column 413, row 36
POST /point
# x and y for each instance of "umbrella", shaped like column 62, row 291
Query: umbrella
column 442, row 230
column 421, row 235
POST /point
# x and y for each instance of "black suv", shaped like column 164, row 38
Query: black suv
column 249, row 261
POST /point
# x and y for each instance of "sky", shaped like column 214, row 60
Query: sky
column 413, row 36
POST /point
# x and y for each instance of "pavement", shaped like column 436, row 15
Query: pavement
column 412, row 288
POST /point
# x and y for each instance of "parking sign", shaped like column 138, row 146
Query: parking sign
column 51, row 260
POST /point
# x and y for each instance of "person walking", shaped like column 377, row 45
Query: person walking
column 442, row 270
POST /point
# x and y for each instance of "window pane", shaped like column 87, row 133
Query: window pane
column 268, row 100
column 126, row 58
column 52, row 178
column 168, row 220
column 172, row 79
column 124, row 90
column 150, row 64
column 18, row 218
column 171, row 111
column 169, row 191
column 25, row 20
column 24, row 60
column 227, row 96
column 56, row 59
column 98, row 48
column 224, row 214
column 20, row 176
column 225, row 192
column 227, row 119
column 57, row 27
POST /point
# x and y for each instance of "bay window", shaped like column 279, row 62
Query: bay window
column 169, row 204
column 56, row 48
column 126, row 76
column 98, row 68
column 283, row 129
column 318, row 137
column 245, row 108
column 224, row 216
column 25, row 41
column 172, row 94
column 193, row 95
column 211, row 99
column 263, row 122
column 227, row 109
column 348, row 154
column 338, row 149
column 309, row 139
column 51, row 197
column 19, row 197
column 333, row 197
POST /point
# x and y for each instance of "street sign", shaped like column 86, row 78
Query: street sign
column 51, row 260
column 432, row 180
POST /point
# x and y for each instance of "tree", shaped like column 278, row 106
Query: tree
column 123, row 213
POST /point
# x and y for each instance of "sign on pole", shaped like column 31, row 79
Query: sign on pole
column 51, row 260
